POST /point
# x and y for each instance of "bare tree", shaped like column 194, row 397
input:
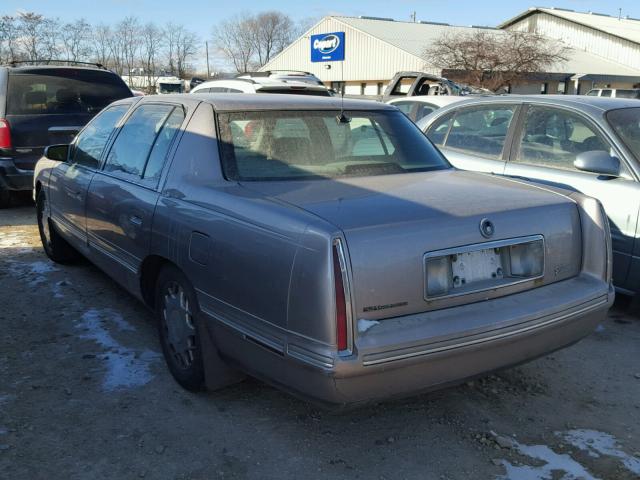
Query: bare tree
column 76, row 40
column 271, row 32
column 185, row 49
column 101, row 40
column 152, row 42
column 127, row 44
column 9, row 33
column 250, row 41
column 32, row 35
column 235, row 40
column 494, row 59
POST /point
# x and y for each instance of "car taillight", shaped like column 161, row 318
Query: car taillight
column 342, row 337
column 5, row 134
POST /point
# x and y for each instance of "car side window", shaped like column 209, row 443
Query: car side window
column 405, row 107
column 554, row 138
column 92, row 140
column 437, row 132
column 163, row 142
column 481, row 130
column 605, row 93
column 423, row 110
column 131, row 149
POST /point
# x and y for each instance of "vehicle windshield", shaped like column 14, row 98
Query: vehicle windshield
column 626, row 123
column 63, row 91
column 170, row 88
column 272, row 145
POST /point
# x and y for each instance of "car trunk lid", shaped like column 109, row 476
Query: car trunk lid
column 392, row 222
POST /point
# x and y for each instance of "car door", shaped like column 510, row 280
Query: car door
column 476, row 138
column 69, row 181
column 544, row 150
column 123, row 195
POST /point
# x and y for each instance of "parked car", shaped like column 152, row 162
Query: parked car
column 328, row 249
column 195, row 81
column 261, row 85
column 42, row 105
column 615, row 92
column 410, row 84
column 588, row 144
column 416, row 108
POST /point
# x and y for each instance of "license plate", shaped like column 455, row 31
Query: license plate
column 473, row 267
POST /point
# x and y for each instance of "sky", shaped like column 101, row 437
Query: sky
column 202, row 15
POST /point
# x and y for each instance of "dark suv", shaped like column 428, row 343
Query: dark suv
column 43, row 105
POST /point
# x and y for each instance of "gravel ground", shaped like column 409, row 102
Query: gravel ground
column 84, row 394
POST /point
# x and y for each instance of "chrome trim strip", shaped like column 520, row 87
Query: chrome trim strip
column 474, row 248
column 491, row 338
column 346, row 285
column 309, row 357
column 275, row 345
column 95, row 242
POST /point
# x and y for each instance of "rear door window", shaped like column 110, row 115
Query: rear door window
column 91, row 141
column 481, row 130
column 63, row 91
column 605, row 93
column 136, row 141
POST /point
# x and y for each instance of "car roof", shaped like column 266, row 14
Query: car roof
column 260, row 81
column 581, row 102
column 238, row 101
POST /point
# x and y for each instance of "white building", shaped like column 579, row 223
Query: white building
column 377, row 48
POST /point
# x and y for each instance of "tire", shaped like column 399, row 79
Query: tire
column 177, row 313
column 5, row 198
column 56, row 247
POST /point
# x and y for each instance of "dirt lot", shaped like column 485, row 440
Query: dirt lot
column 84, row 393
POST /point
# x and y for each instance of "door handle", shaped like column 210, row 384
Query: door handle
column 73, row 193
column 136, row 220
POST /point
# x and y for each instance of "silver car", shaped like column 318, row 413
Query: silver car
column 325, row 247
column 587, row 144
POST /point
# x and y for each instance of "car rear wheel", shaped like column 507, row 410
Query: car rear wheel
column 177, row 312
column 56, row 247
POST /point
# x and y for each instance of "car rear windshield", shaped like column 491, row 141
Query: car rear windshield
column 626, row 123
column 270, row 145
column 63, row 91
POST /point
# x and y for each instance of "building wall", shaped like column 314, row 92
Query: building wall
column 582, row 38
column 367, row 59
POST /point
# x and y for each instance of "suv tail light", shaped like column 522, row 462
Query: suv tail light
column 5, row 134
column 342, row 297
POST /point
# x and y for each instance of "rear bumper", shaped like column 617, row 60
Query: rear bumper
column 405, row 356
column 14, row 178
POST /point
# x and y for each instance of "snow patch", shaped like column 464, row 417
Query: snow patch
column 126, row 367
column 36, row 271
column 597, row 443
column 364, row 325
column 553, row 462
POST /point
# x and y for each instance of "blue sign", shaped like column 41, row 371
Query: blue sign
column 327, row 47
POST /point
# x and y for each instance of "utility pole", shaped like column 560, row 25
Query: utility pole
column 208, row 71
column 413, row 16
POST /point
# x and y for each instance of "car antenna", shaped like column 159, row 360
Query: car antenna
column 342, row 118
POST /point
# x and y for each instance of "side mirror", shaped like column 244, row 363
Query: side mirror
column 598, row 161
column 57, row 152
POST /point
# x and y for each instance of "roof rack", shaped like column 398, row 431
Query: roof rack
column 14, row 63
